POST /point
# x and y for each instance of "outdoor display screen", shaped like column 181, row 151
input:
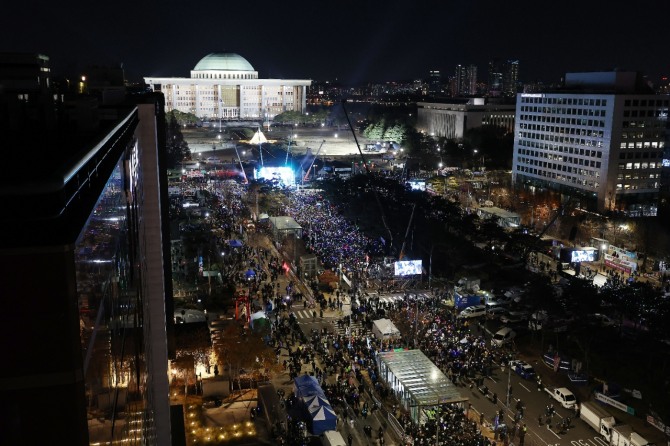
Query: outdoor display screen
column 417, row 185
column 407, row 267
column 284, row 175
column 583, row 256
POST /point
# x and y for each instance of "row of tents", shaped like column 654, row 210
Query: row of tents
column 321, row 415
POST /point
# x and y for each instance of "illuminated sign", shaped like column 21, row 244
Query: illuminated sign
column 532, row 95
column 417, row 184
column 282, row 175
column 407, row 267
column 583, row 256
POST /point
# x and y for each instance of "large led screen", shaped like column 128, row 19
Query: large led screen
column 407, row 267
column 583, row 256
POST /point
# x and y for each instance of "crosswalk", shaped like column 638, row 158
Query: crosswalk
column 353, row 328
column 306, row 315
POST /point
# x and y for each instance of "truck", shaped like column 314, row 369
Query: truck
column 564, row 396
column 624, row 435
column 332, row 438
column 598, row 418
column 463, row 301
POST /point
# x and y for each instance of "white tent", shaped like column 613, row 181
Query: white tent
column 384, row 329
column 258, row 138
column 313, row 401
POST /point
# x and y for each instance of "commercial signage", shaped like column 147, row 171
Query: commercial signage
column 658, row 425
column 614, row 403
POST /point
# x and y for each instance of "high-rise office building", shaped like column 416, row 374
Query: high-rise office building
column 434, row 82
column 83, row 238
column 601, row 137
column 465, row 81
column 503, row 78
column 226, row 86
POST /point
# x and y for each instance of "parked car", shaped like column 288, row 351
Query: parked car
column 473, row 311
column 495, row 312
column 523, row 369
column 514, row 317
column 502, row 337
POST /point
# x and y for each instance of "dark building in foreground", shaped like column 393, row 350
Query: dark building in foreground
column 82, row 277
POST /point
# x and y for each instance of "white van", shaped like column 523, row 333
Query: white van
column 473, row 311
column 502, row 337
column 332, row 438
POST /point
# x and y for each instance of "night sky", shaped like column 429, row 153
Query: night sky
column 348, row 41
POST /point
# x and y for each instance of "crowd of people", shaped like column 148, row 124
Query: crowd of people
column 345, row 364
column 328, row 234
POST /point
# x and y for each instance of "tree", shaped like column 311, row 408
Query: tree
column 177, row 147
column 289, row 117
column 374, row 131
column 182, row 118
column 395, row 133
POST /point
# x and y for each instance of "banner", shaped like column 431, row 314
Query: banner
column 614, row 403
column 621, row 263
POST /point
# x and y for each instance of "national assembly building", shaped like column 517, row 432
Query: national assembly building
column 226, row 86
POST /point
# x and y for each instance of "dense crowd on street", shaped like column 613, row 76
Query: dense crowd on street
column 346, row 365
column 330, row 235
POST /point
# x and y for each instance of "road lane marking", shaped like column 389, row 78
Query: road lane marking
column 524, row 387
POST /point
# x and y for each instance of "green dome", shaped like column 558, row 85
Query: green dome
column 223, row 62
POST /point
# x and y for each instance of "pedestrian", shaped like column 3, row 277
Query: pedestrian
column 350, row 440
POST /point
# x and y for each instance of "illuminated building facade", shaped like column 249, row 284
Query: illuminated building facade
column 451, row 120
column 85, row 288
column 226, row 86
column 601, row 137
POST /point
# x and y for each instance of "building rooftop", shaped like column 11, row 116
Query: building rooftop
column 223, row 62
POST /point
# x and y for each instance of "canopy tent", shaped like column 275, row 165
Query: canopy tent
column 250, row 273
column 263, row 216
column 258, row 319
column 323, row 419
column 384, row 329
column 315, row 401
column 306, row 385
column 235, row 243
column 258, row 138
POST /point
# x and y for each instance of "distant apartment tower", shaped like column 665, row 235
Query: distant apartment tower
column 452, row 119
column 465, row 81
column 86, row 290
column 503, row 78
column 600, row 137
column 434, row 82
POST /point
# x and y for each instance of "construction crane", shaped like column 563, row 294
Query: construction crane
column 367, row 171
column 241, row 166
column 404, row 242
column 306, row 177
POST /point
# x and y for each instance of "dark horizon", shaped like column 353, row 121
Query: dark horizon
column 352, row 44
